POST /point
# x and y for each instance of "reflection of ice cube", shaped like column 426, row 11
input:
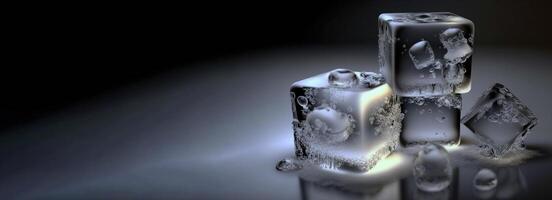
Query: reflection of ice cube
column 508, row 183
column 484, row 180
column 422, row 70
column 354, row 126
column 432, row 169
column 500, row 120
column 458, row 49
column 421, row 54
column 431, row 119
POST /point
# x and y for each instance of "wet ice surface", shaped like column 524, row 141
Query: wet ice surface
column 153, row 141
column 422, row 54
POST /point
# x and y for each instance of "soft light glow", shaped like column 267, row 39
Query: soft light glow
column 453, row 147
column 387, row 164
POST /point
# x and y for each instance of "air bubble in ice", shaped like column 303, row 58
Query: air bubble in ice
column 330, row 126
column 458, row 49
column 432, row 169
column 371, row 79
column 342, row 78
column 302, row 101
column 288, row 165
column 421, row 54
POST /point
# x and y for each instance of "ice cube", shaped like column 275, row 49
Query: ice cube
column 458, row 49
column 500, row 120
column 352, row 126
column 421, row 54
column 433, row 41
column 431, row 119
column 432, row 168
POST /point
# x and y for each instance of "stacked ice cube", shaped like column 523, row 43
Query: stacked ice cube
column 346, row 119
column 426, row 58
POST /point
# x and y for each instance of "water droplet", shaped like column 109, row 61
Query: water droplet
column 288, row 164
column 302, row 101
column 485, row 180
column 342, row 78
column 432, row 169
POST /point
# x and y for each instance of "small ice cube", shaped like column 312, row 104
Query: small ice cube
column 432, row 168
column 500, row 120
column 422, row 54
column 458, row 49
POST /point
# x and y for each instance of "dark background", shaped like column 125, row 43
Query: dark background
column 63, row 54
column 190, row 101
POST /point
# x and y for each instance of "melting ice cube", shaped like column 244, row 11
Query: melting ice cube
column 500, row 120
column 352, row 126
column 431, row 119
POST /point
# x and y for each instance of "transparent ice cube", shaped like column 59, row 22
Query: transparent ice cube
column 353, row 126
column 432, row 168
column 458, row 49
column 421, row 54
column 415, row 49
column 431, row 119
column 500, row 120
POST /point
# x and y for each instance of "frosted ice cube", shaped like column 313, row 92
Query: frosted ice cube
column 458, row 49
column 422, row 70
column 431, row 119
column 500, row 120
column 421, row 54
column 353, row 126
column 432, row 168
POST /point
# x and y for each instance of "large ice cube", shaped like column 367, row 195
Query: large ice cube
column 424, row 54
column 500, row 120
column 342, row 121
column 431, row 119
